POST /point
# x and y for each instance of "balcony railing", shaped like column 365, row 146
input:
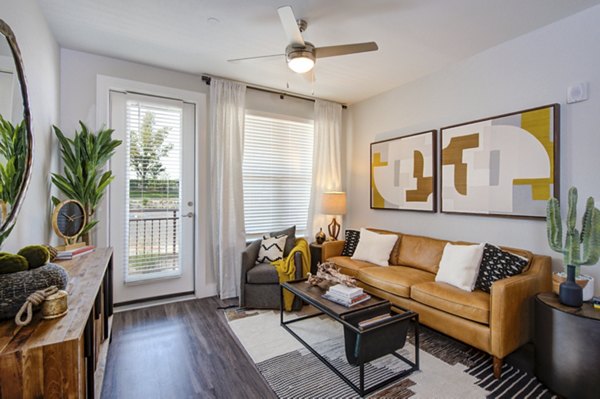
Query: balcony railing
column 153, row 241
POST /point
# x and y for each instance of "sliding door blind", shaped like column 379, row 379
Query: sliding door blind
column 277, row 170
column 153, row 172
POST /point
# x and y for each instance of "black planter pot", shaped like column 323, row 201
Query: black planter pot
column 570, row 293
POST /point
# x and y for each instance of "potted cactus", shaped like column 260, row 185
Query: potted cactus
column 578, row 248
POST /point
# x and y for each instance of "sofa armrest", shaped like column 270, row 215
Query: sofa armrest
column 299, row 265
column 249, row 257
column 331, row 249
column 511, row 308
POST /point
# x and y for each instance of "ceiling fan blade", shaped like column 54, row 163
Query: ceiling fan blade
column 332, row 51
column 260, row 57
column 288, row 20
column 310, row 76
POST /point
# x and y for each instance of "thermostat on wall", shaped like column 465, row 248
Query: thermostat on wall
column 577, row 92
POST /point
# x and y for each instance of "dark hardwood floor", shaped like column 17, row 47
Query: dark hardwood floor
column 179, row 350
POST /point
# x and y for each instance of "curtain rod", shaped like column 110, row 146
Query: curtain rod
column 206, row 79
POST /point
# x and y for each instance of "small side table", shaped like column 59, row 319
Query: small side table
column 567, row 347
column 315, row 256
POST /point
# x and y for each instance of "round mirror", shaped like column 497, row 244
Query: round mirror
column 16, row 138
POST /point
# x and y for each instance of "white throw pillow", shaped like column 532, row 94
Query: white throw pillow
column 374, row 248
column 460, row 265
column 271, row 249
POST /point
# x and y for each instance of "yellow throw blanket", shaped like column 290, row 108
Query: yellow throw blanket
column 286, row 269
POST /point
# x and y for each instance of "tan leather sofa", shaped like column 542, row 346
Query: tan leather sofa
column 497, row 323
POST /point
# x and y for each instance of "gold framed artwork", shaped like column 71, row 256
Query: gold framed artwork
column 506, row 165
column 403, row 173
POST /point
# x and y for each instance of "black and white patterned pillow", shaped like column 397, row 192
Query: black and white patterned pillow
column 271, row 249
column 350, row 242
column 497, row 264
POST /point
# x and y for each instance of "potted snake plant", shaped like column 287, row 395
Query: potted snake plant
column 579, row 248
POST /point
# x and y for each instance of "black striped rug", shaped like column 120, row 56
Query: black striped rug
column 449, row 369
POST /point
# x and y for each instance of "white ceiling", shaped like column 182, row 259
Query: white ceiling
column 415, row 37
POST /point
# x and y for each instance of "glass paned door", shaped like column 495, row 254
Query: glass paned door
column 152, row 197
column 153, row 175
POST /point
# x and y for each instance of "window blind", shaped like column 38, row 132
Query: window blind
column 153, row 195
column 277, row 173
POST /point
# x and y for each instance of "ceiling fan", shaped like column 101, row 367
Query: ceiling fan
column 301, row 55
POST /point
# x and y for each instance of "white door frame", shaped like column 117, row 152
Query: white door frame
column 104, row 84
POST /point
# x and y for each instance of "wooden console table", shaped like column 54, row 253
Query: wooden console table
column 65, row 357
column 567, row 347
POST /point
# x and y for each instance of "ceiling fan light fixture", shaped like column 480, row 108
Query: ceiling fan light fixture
column 301, row 64
column 300, row 59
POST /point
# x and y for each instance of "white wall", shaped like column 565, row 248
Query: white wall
column 532, row 70
column 78, row 83
column 41, row 59
column 79, row 71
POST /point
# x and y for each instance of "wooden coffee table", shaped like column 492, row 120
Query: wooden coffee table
column 362, row 344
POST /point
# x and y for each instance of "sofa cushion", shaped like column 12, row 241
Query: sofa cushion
column 473, row 305
column 394, row 279
column 349, row 266
column 290, row 241
column 459, row 265
column 520, row 252
column 271, row 249
column 350, row 242
column 515, row 251
column 375, row 248
column 497, row 264
column 421, row 252
column 263, row 273
column 394, row 255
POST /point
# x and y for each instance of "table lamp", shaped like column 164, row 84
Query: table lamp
column 334, row 203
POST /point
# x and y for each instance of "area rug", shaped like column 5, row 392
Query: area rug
column 448, row 368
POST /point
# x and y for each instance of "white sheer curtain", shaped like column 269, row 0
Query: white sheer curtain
column 226, row 143
column 327, row 169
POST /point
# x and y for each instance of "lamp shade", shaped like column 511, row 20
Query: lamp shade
column 333, row 203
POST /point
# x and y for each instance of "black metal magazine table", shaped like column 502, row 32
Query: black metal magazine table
column 362, row 345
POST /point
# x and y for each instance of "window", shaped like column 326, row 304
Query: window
column 277, row 170
column 153, row 171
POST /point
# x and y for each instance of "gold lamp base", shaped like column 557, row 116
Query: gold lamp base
column 334, row 229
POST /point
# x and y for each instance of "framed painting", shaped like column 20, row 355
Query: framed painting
column 403, row 173
column 507, row 165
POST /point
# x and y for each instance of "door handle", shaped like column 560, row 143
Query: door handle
column 188, row 215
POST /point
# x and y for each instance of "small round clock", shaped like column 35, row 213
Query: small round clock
column 68, row 220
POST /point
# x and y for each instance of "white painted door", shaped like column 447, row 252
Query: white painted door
column 152, row 197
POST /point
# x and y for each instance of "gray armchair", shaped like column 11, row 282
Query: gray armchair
column 259, row 284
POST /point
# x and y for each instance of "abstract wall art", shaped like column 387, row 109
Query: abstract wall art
column 503, row 166
column 403, row 173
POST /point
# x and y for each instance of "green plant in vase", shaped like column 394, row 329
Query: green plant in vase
column 578, row 248
column 84, row 157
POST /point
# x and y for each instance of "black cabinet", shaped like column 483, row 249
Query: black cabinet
column 567, row 347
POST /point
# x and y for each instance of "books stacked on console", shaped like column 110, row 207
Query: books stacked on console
column 347, row 296
column 73, row 253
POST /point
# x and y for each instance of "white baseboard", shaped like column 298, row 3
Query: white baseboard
column 156, row 302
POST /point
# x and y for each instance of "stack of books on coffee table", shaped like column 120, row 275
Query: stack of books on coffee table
column 347, row 296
